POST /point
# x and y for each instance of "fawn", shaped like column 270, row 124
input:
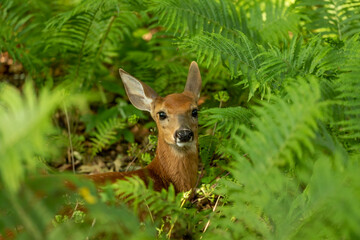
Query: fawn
column 176, row 116
column 176, row 160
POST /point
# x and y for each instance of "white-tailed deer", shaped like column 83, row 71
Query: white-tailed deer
column 176, row 116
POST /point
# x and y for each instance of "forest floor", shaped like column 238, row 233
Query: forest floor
column 114, row 158
column 119, row 156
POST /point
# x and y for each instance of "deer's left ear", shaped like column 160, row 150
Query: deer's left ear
column 193, row 83
column 140, row 94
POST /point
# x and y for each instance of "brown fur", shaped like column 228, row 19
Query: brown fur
column 172, row 164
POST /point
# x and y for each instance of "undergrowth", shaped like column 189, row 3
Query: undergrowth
column 279, row 126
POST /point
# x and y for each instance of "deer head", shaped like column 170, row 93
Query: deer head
column 176, row 115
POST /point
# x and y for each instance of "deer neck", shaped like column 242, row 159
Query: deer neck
column 176, row 165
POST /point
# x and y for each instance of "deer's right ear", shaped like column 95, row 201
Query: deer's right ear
column 193, row 83
column 140, row 94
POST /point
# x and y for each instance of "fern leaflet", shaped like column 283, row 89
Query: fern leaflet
column 105, row 134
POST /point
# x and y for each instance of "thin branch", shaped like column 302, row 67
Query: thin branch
column 214, row 208
column 151, row 216
column 92, row 226
column 75, row 208
column 137, row 155
column 70, row 141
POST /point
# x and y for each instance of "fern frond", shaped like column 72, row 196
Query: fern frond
column 240, row 55
column 265, row 70
column 226, row 119
column 134, row 188
column 269, row 203
column 21, row 25
column 210, row 48
column 270, row 22
column 105, row 134
column 274, row 21
column 208, row 145
column 332, row 18
column 25, row 122
column 285, row 128
column 299, row 58
column 348, row 87
column 18, row 209
column 197, row 16
column 274, row 200
column 87, row 36
column 156, row 204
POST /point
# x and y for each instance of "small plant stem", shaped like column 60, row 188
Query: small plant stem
column 137, row 155
column 92, row 226
column 171, row 228
column 214, row 208
column 29, row 224
column 75, row 208
column 151, row 216
column 70, row 141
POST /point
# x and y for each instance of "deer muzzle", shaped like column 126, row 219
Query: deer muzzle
column 183, row 136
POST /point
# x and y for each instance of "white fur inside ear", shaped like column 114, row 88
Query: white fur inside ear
column 136, row 92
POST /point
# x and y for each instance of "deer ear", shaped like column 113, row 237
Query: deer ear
column 140, row 94
column 193, row 83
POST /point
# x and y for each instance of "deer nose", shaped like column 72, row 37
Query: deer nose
column 184, row 135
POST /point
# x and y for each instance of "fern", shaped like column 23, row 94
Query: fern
column 197, row 16
column 19, row 25
column 274, row 21
column 267, row 70
column 156, row 204
column 272, row 196
column 20, row 118
column 227, row 120
column 268, row 203
column 348, row 87
column 105, row 134
column 24, row 125
column 87, row 35
column 338, row 18
column 240, row 56
column 270, row 22
column 111, row 220
column 210, row 48
column 296, row 124
column 312, row 58
column 292, row 161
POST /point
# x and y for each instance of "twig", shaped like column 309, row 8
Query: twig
column 92, row 226
column 75, row 208
column 217, row 175
column 197, row 183
column 70, row 141
column 214, row 208
column 137, row 155
column 151, row 216
column 215, row 184
column 168, row 235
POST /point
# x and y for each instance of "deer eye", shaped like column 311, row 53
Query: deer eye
column 194, row 113
column 162, row 115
